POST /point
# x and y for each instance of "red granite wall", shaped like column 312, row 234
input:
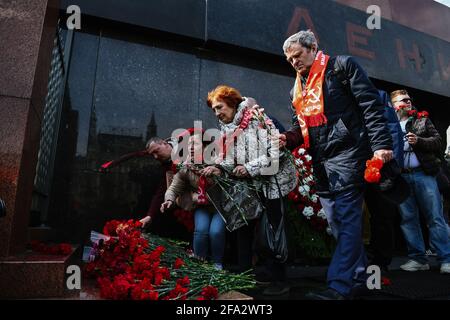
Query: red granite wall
column 27, row 29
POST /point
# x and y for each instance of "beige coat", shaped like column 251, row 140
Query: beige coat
column 183, row 189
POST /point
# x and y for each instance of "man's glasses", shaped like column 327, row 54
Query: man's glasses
column 405, row 100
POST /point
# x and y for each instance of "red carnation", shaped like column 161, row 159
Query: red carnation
column 386, row 281
column 184, row 281
column 210, row 293
column 106, row 165
column 179, row 292
column 412, row 113
column 375, row 163
column 293, row 196
column 110, row 228
column 400, row 107
column 65, row 248
column 178, row 263
column 372, row 173
column 422, row 114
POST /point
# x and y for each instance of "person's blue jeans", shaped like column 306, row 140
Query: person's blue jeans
column 209, row 233
column 426, row 197
column 347, row 269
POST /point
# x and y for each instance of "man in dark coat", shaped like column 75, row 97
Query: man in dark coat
column 338, row 116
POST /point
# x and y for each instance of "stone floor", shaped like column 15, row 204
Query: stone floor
column 422, row 285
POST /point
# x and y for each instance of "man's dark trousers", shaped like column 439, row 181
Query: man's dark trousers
column 347, row 269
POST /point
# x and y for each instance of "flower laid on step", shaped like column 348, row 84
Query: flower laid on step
column 386, row 281
column 61, row 249
column 132, row 265
column 178, row 263
column 209, row 293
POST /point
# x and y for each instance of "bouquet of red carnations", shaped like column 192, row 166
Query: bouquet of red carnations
column 132, row 265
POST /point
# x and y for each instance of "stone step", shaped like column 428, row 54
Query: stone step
column 43, row 234
column 32, row 275
column 234, row 295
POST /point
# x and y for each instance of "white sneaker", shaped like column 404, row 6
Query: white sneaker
column 412, row 265
column 445, row 267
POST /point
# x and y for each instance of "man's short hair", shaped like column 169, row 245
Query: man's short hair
column 305, row 38
column 157, row 140
column 398, row 93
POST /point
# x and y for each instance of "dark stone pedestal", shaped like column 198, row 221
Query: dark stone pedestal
column 32, row 275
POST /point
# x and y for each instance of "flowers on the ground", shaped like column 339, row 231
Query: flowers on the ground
column 386, row 281
column 57, row 249
column 132, row 265
column 209, row 293
column 178, row 263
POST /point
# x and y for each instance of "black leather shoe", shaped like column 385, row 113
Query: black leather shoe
column 361, row 291
column 263, row 279
column 276, row 289
column 328, row 294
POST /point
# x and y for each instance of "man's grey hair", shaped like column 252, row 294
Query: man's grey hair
column 154, row 140
column 305, row 38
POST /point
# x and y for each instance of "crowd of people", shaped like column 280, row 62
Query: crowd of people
column 343, row 121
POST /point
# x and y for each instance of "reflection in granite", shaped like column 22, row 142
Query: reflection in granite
column 131, row 103
column 119, row 94
column 271, row 91
column 13, row 112
column 186, row 17
column 26, row 182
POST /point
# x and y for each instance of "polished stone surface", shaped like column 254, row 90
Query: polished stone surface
column 425, row 16
column 234, row 295
column 18, row 154
column 186, row 17
column 341, row 30
column 25, row 184
column 27, row 30
column 21, row 24
column 33, row 275
column 41, row 77
column 13, row 112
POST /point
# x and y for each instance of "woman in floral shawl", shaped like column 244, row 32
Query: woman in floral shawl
column 270, row 168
